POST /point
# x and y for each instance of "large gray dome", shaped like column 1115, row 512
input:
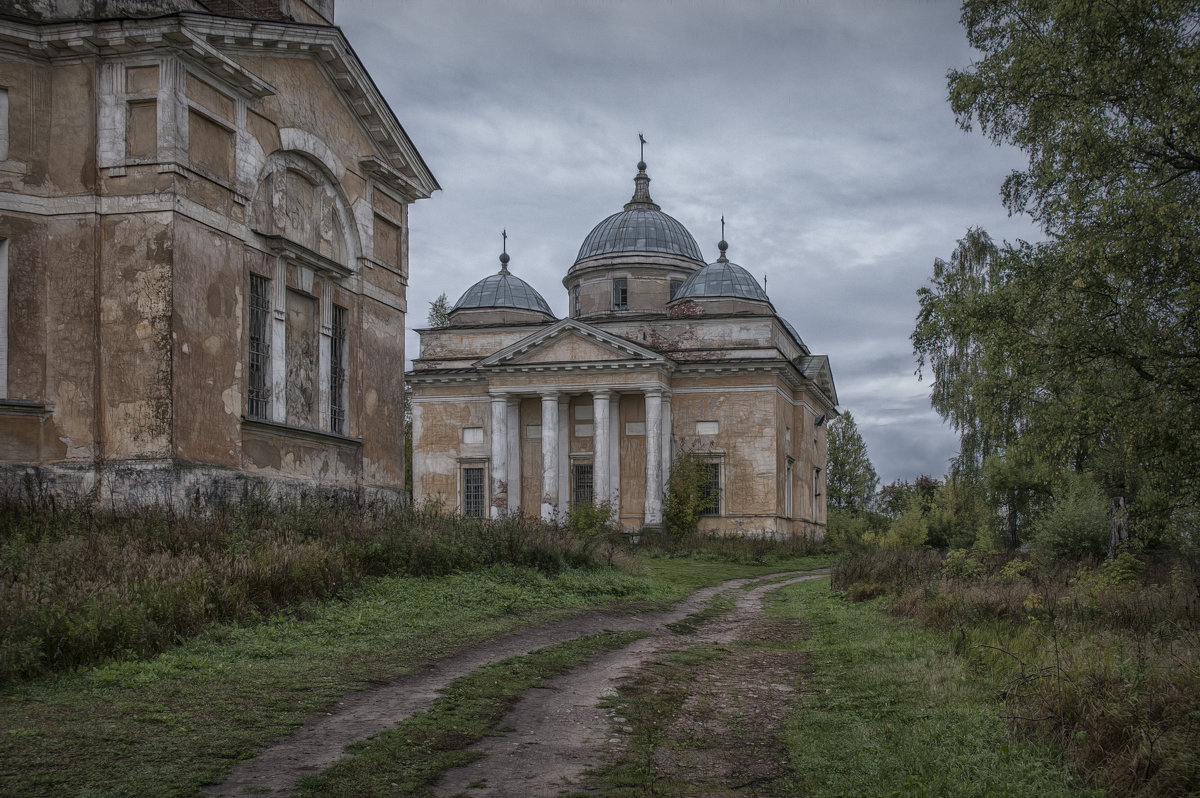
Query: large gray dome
column 722, row 279
column 640, row 231
column 641, row 227
column 503, row 290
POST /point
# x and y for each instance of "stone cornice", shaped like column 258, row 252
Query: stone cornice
column 207, row 40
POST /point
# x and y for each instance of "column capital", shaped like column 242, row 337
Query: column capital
column 548, row 394
column 601, row 393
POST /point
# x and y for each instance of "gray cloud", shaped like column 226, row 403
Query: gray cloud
column 819, row 129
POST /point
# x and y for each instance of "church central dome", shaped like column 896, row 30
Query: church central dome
column 640, row 227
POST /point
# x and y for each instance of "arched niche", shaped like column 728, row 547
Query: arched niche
column 298, row 200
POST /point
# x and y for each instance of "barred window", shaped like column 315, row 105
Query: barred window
column 710, row 497
column 620, row 294
column 473, row 492
column 337, row 371
column 575, row 301
column 581, row 484
column 675, row 286
column 259, row 390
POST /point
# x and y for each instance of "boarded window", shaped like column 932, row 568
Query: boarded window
column 337, row 370
column 210, row 146
column 581, row 483
column 620, row 294
column 710, row 491
column 533, row 431
column 258, row 398
column 473, row 492
column 141, row 130
column 387, row 241
column 472, row 434
column 635, row 427
column 301, row 396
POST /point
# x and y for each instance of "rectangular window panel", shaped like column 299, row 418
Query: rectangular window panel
column 635, row 427
column 337, row 371
column 710, row 496
column 3, row 124
column 533, row 431
column 707, row 427
column 581, row 483
column 585, row 430
column 575, row 301
column 301, row 396
column 472, row 434
column 210, row 145
column 259, row 391
column 141, row 130
column 620, row 294
column 583, row 412
column 675, row 286
column 473, row 492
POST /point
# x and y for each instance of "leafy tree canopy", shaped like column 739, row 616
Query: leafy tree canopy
column 851, row 479
column 439, row 312
column 1080, row 352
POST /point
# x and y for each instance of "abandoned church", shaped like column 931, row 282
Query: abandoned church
column 203, row 251
column 517, row 411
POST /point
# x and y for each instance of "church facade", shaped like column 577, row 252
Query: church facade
column 515, row 410
column 203, row 252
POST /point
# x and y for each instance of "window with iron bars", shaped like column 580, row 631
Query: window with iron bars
column 710, row 491
column 258, row 399
column 581, row 484
column 620, row 294
column 337, row 371
column 473, row 492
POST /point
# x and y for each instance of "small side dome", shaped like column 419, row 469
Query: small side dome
column 503, row 290
column 722, row 279
column 501, row 298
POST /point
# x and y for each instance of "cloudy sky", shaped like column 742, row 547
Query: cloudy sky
column 819, row 128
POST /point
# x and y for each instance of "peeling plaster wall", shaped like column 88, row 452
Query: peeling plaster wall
column 128, row 202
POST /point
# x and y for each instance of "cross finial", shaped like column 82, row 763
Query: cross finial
column 722, row 226
column 504, row 239
column 504, row 252
column 642, row 152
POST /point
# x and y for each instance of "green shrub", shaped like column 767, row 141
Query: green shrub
column 1075, row 525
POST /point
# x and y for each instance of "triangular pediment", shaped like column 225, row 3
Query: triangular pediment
column 570, row 342
column 816, row 368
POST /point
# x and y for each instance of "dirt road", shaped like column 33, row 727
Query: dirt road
column 556, row 734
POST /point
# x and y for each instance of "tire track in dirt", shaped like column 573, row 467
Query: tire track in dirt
column 558, row 732
column 322, row 740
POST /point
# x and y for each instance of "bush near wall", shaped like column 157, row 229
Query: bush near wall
column 80, row 585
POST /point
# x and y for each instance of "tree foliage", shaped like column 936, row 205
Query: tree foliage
column 851, row 479
column 1078, row 353
column 439, row 312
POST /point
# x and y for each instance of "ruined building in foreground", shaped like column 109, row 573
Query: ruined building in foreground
column 203, row 251
column 517, row 411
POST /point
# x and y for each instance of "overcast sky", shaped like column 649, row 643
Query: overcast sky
column 819, row 129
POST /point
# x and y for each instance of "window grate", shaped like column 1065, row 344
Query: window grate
column 710, row 492
column 258, row 399
column 581, row 484
column 473, row 494
column 337, row 371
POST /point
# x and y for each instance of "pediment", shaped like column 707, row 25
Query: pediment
column 817, row 369
column 569, row 342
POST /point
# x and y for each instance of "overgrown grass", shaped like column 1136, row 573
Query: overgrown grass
column 1101, row 661
column 78, row 586
column 887, row 710
column 167, row 725
column 407, row 759
column 732, row 548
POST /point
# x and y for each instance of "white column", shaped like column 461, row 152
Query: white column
column 549, row 455
column 601, row 441
column 514, row 454
column 418, row 473
column 564, row 451
column 499, row 459
column 653, row 514
column 614, row 461
column 666, row 439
